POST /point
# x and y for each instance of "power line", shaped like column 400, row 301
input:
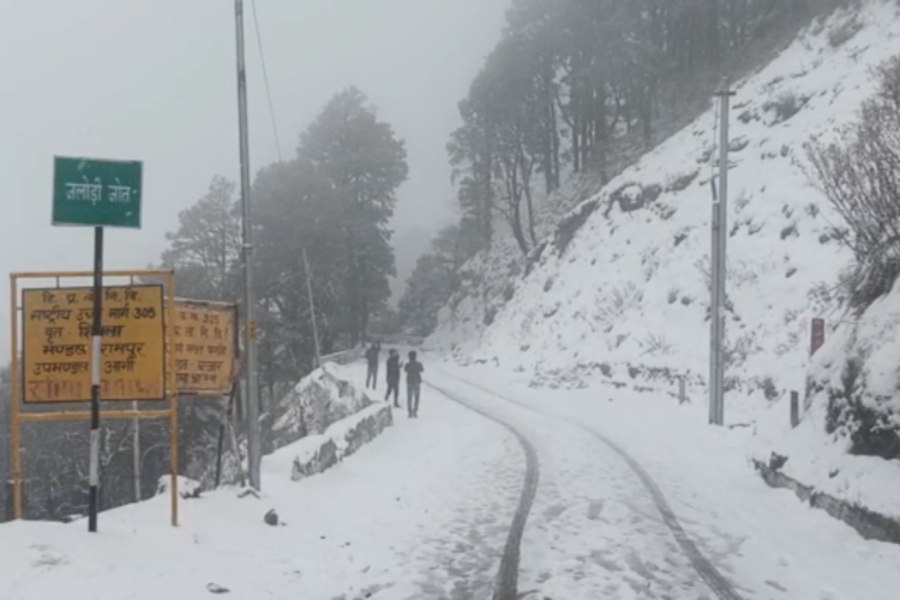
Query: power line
column 262, row 56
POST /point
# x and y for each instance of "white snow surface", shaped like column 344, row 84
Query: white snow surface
column 317, row 400
column 422, row 513
column 628, row 299
column 769, row 545
column 822, row 461
column 412, row 515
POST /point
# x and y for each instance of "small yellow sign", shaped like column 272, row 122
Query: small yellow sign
column 56, row 331
column 204, row 344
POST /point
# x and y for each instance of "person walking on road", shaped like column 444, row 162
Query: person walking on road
column 414, row 370
column 372, row 361
column 393, row 377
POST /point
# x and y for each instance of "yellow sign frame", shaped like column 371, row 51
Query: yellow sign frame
column 18, row 416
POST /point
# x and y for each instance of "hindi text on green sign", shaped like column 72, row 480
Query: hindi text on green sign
column 98, row 193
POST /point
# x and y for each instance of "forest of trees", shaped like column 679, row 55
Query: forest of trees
column 572, row 79
column 579, row 86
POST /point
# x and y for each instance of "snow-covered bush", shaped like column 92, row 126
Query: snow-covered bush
column 856, row 377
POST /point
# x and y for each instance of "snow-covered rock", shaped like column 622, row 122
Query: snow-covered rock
column 187, row 488
column 317, row 401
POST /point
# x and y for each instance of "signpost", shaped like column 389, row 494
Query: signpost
column 96, row 193
column 204, row 338
column 56, row 327
column 49, row 331
column 205, row 345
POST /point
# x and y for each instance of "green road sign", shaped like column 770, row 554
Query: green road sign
column 96, row 192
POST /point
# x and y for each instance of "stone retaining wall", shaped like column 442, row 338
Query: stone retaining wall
column 869, row 524
column 340, row 441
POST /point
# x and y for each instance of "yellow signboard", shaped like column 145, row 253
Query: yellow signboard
column 204, row 337
column 56, row 330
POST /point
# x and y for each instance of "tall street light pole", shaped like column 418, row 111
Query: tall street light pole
column 254, row 449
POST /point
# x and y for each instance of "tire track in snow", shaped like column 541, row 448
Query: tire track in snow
column 507, row 582
column 719, row 585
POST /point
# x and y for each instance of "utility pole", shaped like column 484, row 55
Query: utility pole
column 254, row 449
column 312, row 308
column 718, row 270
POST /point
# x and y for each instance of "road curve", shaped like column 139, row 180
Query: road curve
column 507, row 581
column 717, row 583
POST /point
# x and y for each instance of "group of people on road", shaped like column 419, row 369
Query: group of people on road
column 413, row 369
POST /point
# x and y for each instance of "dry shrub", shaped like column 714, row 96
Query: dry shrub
column 860, row 176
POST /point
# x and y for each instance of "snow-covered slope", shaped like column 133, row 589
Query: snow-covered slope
column 621, row 288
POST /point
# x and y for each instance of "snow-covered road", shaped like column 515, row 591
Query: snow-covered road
column 600, row 527
column 596, row 531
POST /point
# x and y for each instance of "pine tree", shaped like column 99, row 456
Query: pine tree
column 205, row 249
column 365, row 164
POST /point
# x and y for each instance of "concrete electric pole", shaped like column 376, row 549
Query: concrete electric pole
column 718, row 270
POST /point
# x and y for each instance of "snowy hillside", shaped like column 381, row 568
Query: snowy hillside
column 620, row 289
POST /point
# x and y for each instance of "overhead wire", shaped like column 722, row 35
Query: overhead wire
column 265, row 71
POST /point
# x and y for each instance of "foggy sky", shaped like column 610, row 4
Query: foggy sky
column 154, row 80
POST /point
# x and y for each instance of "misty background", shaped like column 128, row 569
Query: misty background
column 155, row 81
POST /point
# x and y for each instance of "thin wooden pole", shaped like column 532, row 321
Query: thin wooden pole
column 312, row 309
column 14, row 399
column 172, row 392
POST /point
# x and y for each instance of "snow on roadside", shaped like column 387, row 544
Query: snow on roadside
column 413, row 515
column 819, row 451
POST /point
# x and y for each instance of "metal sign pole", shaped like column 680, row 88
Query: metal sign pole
column 96, row 353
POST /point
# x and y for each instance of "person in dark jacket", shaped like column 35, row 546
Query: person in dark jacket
column 414, row 370
column 393, row 377
column 372, row 361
